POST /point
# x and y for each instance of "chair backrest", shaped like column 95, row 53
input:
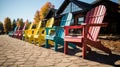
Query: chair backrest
column 37, row 28
column 95, row 15
column 65, row 21
column 24, row 26
column 30, row 27
column 18, row 28
column 39, row 25
column 49, row 24
column 15, row 29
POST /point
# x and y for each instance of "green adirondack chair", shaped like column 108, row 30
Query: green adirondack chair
column 11, row 33
column 58, row 37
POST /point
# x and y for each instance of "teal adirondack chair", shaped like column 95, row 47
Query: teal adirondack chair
column 58, row 37
column 12, row 32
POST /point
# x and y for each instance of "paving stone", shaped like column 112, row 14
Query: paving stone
column 93, row 63
column 105, row 65
column 83, row 64
column 58, row 60
column 73, row 58
column 43, row 64
column 13, row 65
column 50, row 60
column 3, row 58
column 40, row 59
column 11, row 60
column 65, row 60
column 19, row 62
column 25, row 65
column 8, row 63
column 74, row 65
column 63, row 64
column 11, row 56
column 22, row 60
column 117, row 62
column 29, row 62
column 1, row 61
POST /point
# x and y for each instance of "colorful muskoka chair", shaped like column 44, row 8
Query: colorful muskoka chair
column 90, row 30
column 11, row 32
column 19, row 33
column 14, row 32
column 40, row 37
column 34, row 32
column 58, row 37
column 27, row 32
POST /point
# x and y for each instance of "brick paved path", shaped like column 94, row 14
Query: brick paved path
column 18, row 53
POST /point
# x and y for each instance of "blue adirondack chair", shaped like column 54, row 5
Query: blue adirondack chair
column 12, row 32
column 58, row 37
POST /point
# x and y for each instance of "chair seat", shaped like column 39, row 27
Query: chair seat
column 73, row 38
column 35, row 36
column 50, row 37
column 29, row 35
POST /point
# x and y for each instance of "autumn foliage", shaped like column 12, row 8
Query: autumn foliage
column 44, row 10
column 7, row 25
column 40, row 15
column 37, row 17
column 20, row 23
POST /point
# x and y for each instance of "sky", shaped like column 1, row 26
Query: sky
column 25, row 9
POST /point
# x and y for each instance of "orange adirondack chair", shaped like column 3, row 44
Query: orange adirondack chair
column 90, row 30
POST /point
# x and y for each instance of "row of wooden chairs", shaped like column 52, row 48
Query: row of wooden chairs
column 90, row 30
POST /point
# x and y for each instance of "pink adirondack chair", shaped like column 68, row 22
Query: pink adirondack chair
column 90, row 30
column 19, row 33
column 14, row 33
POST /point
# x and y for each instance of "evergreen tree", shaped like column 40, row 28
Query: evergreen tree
column 1, row 27
column 13, row 24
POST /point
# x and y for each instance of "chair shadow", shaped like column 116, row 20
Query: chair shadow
column 102, row 58
column 94, row 56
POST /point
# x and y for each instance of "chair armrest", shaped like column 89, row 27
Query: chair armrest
column 97, row 24
column 66, row 28
column 49, row 28
column 73, row 27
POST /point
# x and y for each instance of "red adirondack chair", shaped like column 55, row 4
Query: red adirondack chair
column 90, row 30
column 19, row 33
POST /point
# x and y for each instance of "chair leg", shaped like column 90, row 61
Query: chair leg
column 30, row 40
column 34, row 41
column 25, row 38
column 56, row 46
column 84, row 49
column 40, row 43
column 65, row 47
column 46, row 45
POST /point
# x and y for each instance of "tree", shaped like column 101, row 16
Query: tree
column 1, row 27
column 45, row 9
column 27, row 24
column 7, row 25
column 37, row 17
column 13, row 24
column 20, row 23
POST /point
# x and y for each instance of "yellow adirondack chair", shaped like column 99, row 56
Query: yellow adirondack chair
column 34, row 32
column 27, row 32
column 40, row 37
